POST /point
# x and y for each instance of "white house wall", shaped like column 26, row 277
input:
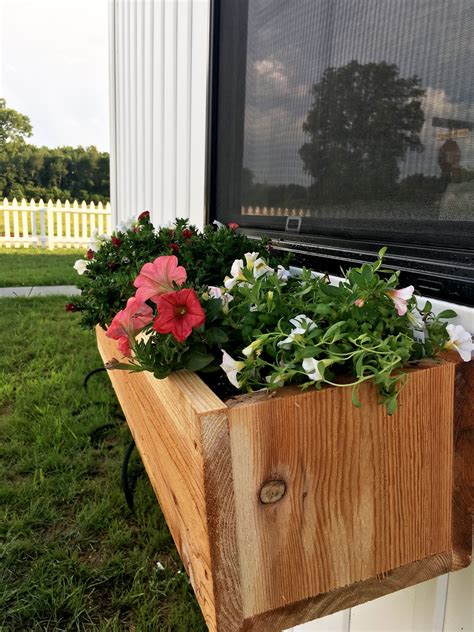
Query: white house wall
column 158, row 79
column 159, row 51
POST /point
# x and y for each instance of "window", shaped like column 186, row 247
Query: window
column 339, row 126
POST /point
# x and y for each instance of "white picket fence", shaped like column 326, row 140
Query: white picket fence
column 53, row 224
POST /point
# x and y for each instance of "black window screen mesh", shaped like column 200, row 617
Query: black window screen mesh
column 355, row 115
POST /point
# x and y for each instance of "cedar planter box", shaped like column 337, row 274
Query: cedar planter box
column 290, row 507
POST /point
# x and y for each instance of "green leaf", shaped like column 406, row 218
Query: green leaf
column 367, row 272
column 333, row 329
column 427, row 308
column 382, row 252
column 355, row 399
column 447, row 313
column 322, row 309
column 310, row 352
column 392, row 405
column 216, row 336
column 195, row 361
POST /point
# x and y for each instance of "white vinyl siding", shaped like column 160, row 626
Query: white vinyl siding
column 158, row 67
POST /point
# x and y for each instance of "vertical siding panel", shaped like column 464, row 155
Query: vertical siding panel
column 439, row 608
column 132, row 95
column 148, row 42
column 158, row 112
column 140, row 105
column 198, row 108
column 122, row 149
column 119, row 109
column 170, row 115
column 112, row 32
column 125, row 210
column 459, row 614
column 159, row 107
column 410, row 610
column 183, row 106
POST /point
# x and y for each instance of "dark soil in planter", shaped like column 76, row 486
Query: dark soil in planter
column 219, row 384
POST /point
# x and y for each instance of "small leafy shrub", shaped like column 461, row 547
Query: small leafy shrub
column 110, row 266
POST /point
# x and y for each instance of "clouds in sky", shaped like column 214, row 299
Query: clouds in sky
column 54, row 68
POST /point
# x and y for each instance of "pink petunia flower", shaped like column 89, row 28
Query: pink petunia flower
column 178, row 313
column 401, row 298
column 123, row 345
column 128, row 322
column 359, row 302
column 159, row 277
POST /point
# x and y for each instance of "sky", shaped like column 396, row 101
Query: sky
column 54, row 68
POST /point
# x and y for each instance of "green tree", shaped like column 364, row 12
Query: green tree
column 42, row 172
column 14, row 126
column 363, row 120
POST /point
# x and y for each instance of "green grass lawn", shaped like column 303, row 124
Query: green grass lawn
column 74, row 557
column 30, row 267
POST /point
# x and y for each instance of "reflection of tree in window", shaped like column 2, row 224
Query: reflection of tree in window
column 363, row 120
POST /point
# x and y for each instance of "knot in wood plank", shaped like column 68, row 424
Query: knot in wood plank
column 272, row 491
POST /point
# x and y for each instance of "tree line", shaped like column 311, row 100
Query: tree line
column 60, row 173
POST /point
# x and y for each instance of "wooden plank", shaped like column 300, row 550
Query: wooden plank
column 463, row 492
column 221, row 521
column 166, row 429
column 366, row 492
column 350, row 596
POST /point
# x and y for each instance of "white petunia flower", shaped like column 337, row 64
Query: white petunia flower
column 250, row 258
column 260, row 268
column 231, row 367
column 80, row 266
column 282, row 273
column 225, row 297
column 218, row 224
column 310, row 367
column 236, row 274
column 302, row 324
column 253, row 347
column 460, row 340
column 214, row 291
column 237, row 267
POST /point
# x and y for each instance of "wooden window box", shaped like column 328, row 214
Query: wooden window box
column 291, row 507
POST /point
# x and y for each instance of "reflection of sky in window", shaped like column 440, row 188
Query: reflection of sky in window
column 292, row 43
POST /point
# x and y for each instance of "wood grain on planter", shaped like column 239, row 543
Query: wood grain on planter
column 290, row 507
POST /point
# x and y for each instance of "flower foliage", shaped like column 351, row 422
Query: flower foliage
column 110, row 266
column 265, row 328
column 207, row 302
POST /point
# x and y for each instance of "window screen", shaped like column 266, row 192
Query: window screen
column 342, row 125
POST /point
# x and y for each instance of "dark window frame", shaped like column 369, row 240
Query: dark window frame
column 446, row 273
